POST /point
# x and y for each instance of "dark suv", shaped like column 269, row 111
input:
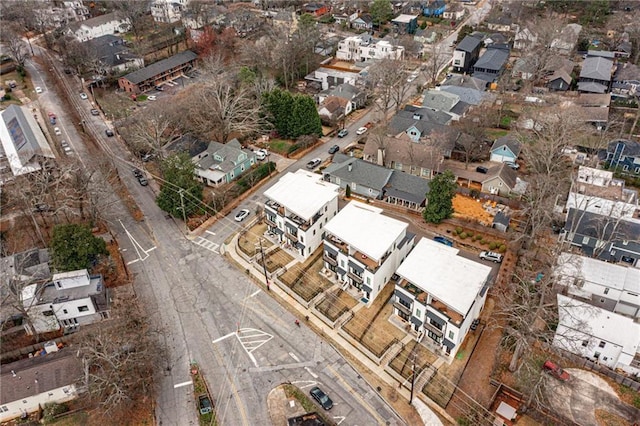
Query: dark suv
column 322, row 398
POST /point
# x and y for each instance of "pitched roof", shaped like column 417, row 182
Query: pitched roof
column 631, row 148
column 562, row 75
column 602, row 227
column 506, row 173
column 229, row 153
column 424, row 119
column 404, row 151
column 407, row 187
column 161, row 66
column 492, row 59
column 597, row 68
column 334, row 104
column 95, row 22
column 351, row 169
column 439, row 100
column 469, row 95
column 591, row 87
column 468, row 44
column 510, row 142
column 187, row 143
column 627, row 72
column 111, row 49
column 345, row 91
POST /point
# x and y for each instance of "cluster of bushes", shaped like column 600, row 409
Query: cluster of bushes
column 255, row 175
column 493, row 245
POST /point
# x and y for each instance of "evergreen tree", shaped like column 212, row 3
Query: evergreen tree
column 442, row 188
column 292, row 115
column 180, row 188
column 74, row 247
column 381, row 11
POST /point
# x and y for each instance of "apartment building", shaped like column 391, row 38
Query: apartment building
column 363, row 47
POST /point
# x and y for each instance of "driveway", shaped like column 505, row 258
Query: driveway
column 580, row 397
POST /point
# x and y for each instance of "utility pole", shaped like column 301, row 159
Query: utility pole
column 413, row 376
column 184, row 214
column 264, row 266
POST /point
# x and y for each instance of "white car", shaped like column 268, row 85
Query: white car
column 151, row 98
column 492, row 256
column 411, row 78
column 361, row 131
column 261, row 154
column 242, row 215
column 57, row 131
column 38, row 89
column 83, row 96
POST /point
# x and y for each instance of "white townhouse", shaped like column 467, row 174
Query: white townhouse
column 109, row 23
column 363, row 47
column 610, row 286
column 596, row 191
column 440, row 294
column 364, row 248
column 297, row 208
column 70, row 300
column 598, row 334
column 168, row 11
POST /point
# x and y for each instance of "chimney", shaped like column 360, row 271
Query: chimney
column 350, row 166
column 117, row 57
column 380, row 156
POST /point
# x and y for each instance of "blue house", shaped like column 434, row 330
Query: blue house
column 623, row 155
column 505, row 149
column 434, row 8
column 405, row 24
column 222, row 163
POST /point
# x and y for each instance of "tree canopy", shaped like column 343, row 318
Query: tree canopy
column 292, row 115
column 179, row 188
column 381, row 11
column 439, row 198
column 74, row 247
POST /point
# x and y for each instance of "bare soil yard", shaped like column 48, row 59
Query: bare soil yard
column 249, row 241
column 335, row 304
column 467, row 207
column 305, row 279
column 276, row 259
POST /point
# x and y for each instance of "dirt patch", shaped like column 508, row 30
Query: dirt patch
column 335, row 304
column 276, row 259
column 305, row 279
column 249, row 241
column 403, row 362
column 467, row 207
column 605, row 418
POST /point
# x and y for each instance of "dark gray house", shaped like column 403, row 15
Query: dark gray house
column 417, row 122
column 595, row 76
column 491, row 64
column 603, row 237
column 466, row 54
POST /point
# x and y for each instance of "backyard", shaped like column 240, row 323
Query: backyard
column 371, row 327
column 336, row 303
column 275, row 259
column 402, row 363
column 305, row 278
column 249, row 241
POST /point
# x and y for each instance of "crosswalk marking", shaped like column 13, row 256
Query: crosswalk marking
column 209, row 245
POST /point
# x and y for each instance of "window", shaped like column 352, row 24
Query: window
column 353, row 186
column 606, row 291
column 625, row 168
column 314, row 232
column 451, row 335
column 585, row 343
column 602, row 344
column 418, row 313
column 585, row 240
column 84, row 308
column 342, row 264
column 596, row 355
column 47, row 313
column 369, row 280
column 325, row 208
column 301, row 239
column 4, row 409
column 64, row 311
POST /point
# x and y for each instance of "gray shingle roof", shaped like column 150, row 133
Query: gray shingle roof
column 510, row 142
column 468, row 44
column 493, row 59
column 407, row 187
column 506, row 173
column 26, row 141
column 229, row 153
column 362, row 172
column 468, row 95
column 597, row 68
column 95, row 22
column 439, row 100
column 111, row 50
column 631, row 148
column 161, row 66
column 591, row 87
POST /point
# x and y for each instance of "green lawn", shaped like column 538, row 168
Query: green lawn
column 280, row 146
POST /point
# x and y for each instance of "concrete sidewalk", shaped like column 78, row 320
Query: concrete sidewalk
column 426, row 414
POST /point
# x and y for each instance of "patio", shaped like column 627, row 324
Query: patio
column 306, row 278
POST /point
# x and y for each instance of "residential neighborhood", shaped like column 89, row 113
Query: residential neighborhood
column 327, row 213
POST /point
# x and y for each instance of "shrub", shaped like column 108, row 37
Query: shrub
column 293, row 148
column 474, row 193
column 478, row 237
column 463, row 235
column 492, row 245
column 470, row 234
column 483, row 241
column 502, row 248
column 51, row 410
column 458, row 230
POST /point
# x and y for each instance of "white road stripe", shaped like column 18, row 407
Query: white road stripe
column 223, row 337
column 179, row 385
column 294, row 356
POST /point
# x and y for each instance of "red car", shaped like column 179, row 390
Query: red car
column 555, row 370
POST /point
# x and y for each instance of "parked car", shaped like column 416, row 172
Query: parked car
column 204, row 404
column 57, row 131
column 143, row 181
column 474, row 324
column 342, row 133
column 555, row 370
column 137, row 173
column 95, row 112
column 38, row 90
column 242, row 215
column 159, row 88
column 83, row 96
column 514, row 166
column 109, row 133
column 492, row 256
column 151, row 98
column 52, row 120
column 334, row 149
column 261, row 154
column 322, row 398
column 313, row 163
column 361, row 131
column 481, row 169
column 443, row 240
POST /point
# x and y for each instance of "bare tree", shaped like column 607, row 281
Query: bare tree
column 436, row 58
column 387, row 81
column 151, row 130
column 136, row 14
column 16, row 47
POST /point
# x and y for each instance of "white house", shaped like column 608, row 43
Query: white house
column 109, row 23
column 298, row 207
column 72, row 299
column 364, row 248
column 596, row 191
column 330, row 77
column 609, row 286
column 598, row 334
column 525, row 39
column 363, row 47
column 168, row 11
column 440, row 294
column 28, row 384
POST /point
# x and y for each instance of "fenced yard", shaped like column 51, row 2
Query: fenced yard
column 335, row 304
column 275, row 259
column 403, row 362
column 370, row 326
column 249, row 241
column 305, row 279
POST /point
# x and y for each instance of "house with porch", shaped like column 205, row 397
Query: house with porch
column 454, row 12
column 114, row 54
column 425, row 36
column 626, row 80
column 613, row 287
column 297, row 208
column 623, row 155
column 505, row 149
column 70, row 300
column 596, row 75
column 417, row 122
column 440, row 294
column 362, row 22
column 109, row 23
column 354, row 96
column 364, row 248
column 597, row 334
column 222, row 163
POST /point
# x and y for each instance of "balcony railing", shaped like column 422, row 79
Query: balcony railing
column 291, row 237
column 402, row 308
column 330, row 260
column 270, row 222
column 355, row 277
column 434, row 329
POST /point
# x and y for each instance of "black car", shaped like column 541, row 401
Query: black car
column 334, row 149
column 109, row 133
column 143, row 181
column 322, row 398
column 95, row 112
column 137, row 173
column 481, row 169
